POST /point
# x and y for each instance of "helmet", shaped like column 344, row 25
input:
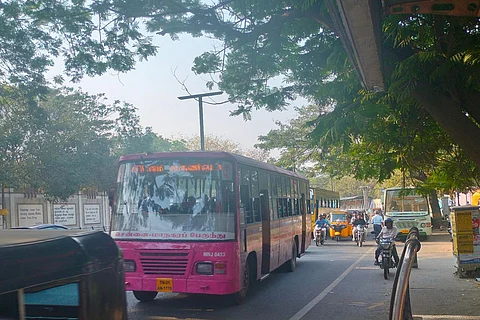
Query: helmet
column 389, row 221
column 323, row 216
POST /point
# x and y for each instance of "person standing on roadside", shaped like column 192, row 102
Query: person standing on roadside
column 475, row 196
column 377, row 222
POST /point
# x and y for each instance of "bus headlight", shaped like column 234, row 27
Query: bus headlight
column 205, row 268
column 422, row 225
column 129, row 266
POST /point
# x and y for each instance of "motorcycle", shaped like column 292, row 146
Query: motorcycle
column 320, row 235
column 359, row 233
column 387, row 262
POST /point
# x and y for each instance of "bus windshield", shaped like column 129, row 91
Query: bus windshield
column 406, row 202
column 175, row 200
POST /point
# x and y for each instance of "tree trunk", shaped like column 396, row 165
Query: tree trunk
column 451, row 117
column 436, row 212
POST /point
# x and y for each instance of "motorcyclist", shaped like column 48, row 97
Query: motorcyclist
column 322, row 222
column 388, row 232
column 359, row 220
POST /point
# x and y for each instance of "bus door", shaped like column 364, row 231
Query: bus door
column 266, row 236
column 303, row 212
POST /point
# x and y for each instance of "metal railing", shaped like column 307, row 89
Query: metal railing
column 400, row 307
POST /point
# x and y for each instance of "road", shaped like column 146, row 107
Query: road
column 334, row 281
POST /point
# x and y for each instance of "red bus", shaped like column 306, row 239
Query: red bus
column 206, row 222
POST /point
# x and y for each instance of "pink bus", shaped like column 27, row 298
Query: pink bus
column 206, row 222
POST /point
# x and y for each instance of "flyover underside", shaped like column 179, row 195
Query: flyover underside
column 361, row 24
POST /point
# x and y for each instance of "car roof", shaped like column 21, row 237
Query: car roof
column 48, row 255
column 46, row 225
column 42, row 226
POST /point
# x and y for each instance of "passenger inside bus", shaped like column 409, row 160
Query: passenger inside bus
column 394, row 206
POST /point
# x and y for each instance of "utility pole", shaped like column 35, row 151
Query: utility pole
column 200, row 111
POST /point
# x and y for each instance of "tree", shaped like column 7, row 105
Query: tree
column 130, row 137
column 430, row 61
column 15, row 127
column 71, row 141
column 292, row 139
column 216, row 143
column 70, row 147
column 85, row 34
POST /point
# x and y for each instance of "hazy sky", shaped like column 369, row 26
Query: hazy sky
column 153, row 89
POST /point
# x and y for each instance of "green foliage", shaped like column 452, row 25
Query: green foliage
column 71, row 141
column 273, row 51
column 218, row 143
column 88, row 36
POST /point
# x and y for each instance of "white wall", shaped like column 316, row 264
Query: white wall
column 78, row 212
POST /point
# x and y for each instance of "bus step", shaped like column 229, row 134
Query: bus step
column 264, row 276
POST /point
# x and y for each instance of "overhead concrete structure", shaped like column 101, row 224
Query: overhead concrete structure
column 359, row 26
column 469, row 8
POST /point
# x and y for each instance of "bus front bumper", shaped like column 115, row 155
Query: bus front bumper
column 404, row 233
column 201, row 286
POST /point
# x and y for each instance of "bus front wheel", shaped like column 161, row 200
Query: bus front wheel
column 145, row 296
column 239, row 297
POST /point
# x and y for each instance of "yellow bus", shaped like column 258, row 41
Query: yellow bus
column 322, row 201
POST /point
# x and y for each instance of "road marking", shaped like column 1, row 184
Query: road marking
column 376, row 305
column 299, row 315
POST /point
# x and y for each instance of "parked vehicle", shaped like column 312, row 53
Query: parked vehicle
column 320, row 234
column 387, row 261
column 359, row 234
column 75, row 275
column 46, row 226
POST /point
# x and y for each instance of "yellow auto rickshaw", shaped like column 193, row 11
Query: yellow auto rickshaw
column 341, row 227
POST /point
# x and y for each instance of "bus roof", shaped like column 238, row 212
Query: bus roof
column 208, row 155
column 32, row 257
column 325, row 192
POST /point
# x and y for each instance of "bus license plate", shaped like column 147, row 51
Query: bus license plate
column 404, row 231
column 164, row 285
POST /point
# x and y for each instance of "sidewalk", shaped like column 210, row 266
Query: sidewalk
column 436, row 292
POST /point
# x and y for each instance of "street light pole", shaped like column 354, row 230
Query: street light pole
column 200, row 111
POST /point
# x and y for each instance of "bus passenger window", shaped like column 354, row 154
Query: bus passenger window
column 289, row 207
column 246, row 202
column 296, row 203
column 280, row 207
column 256, row 209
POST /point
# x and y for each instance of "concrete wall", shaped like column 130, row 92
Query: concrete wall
column 78, row 212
